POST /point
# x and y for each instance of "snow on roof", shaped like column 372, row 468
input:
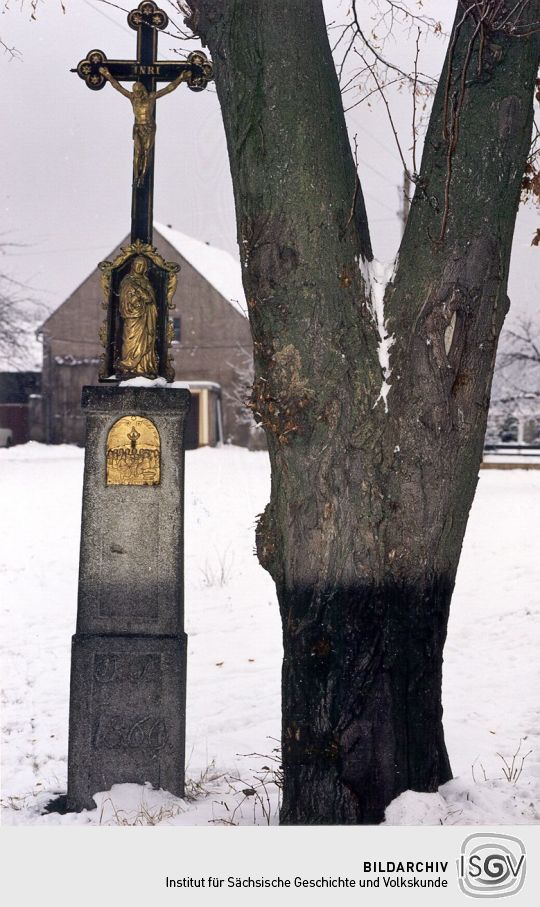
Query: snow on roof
column 219, row 268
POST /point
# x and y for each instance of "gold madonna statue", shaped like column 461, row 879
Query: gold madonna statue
column 138, row 309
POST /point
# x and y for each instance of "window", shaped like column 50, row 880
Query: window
column 177, row 328
column 531, row 431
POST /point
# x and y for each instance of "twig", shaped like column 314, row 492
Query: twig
column 370, row 93
column 415, row 169
column 181, row 36
column 389, row 112
column 356, row 182
column 378, row 56
column 12, row 51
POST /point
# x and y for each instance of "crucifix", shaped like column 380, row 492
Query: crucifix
column 137, row 331
column 129, row 653
column 145, row 72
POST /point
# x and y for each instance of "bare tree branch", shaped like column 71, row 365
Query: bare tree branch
column 517, row 375
column 415, row 168
column 19, row 315
column 426, row 80
column 389, row 112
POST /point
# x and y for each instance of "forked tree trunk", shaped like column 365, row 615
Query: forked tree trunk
column 368, row 507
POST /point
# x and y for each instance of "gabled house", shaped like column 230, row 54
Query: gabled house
column 211, row 345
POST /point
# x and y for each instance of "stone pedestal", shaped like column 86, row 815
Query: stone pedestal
column 127, row 703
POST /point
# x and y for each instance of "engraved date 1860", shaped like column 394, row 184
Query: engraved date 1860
column 116, row 732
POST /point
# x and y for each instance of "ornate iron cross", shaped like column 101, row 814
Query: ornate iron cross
column 139, row 285
column 147, row 71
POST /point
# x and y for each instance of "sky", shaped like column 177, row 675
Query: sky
column 67, row 152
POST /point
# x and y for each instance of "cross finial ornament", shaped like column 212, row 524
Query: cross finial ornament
column 147, row 14
column 136, row 332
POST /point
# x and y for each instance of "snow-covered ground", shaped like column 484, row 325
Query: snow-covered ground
column 491, row 666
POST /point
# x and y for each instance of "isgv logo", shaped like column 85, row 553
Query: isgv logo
column 491, row 866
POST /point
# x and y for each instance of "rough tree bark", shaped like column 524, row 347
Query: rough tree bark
column 368, row 507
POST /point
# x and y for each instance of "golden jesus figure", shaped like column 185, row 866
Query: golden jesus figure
column 144, row 128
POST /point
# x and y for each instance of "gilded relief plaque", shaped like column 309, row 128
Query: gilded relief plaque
column 133, row 452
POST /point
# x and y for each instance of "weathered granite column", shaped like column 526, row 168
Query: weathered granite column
column 127, row 704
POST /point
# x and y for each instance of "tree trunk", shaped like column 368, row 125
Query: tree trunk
column 371, row 486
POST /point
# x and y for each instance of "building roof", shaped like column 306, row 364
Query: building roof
column 219, row 268
column 216, row 266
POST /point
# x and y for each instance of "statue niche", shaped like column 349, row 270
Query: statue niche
column 138, row 308
column 138, row 290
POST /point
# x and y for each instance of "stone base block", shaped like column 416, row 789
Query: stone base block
column 127, row 714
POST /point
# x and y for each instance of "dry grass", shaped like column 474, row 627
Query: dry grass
column 259, row 795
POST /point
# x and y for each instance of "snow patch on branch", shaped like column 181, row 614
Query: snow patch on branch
column 377, row 275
